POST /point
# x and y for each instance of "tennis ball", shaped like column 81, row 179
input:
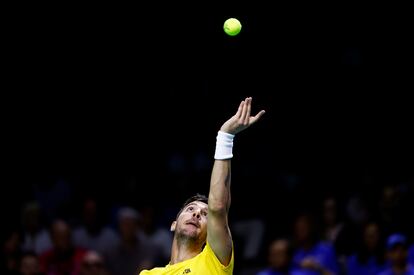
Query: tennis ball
column 232, row 26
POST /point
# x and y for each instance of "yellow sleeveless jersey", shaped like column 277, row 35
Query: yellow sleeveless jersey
column 205, row 263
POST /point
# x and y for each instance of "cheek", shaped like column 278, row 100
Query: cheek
column 204, row 223
column 183, row 217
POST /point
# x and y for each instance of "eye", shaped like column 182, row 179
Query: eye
column 191, row 208
column 204, row 213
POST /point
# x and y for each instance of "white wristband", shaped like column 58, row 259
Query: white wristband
column 224, row 145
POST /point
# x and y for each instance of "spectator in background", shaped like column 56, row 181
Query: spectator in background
column 36, row 238
column 93, row 234
column 408, row 206
column 397, row 253
column 55, row 197
column 332, row 223
column 11, row 251
column 280, row 259
column 30, row 264
column 390, row 208
column 312, row 255
column 93, row 264
column 64, row 258
column 133, row 252
column 411, row 255
column 357, row 215
column 406, row 190
column 243, row 230
column 369, row 258
column 158, row 235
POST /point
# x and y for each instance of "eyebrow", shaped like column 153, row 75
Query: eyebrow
column 193, row 203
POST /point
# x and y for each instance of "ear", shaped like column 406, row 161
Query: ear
column 173, row 225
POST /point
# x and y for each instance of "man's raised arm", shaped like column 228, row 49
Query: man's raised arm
column 218, row 232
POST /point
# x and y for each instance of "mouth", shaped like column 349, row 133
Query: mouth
column 194, row 223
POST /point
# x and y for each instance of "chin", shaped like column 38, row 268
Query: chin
column 189, row 234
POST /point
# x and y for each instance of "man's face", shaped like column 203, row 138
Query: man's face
column 302, row 229
column 29, row 265
column 92, row 264
column 398, row 255
column 61, row 235
column 329, row 211
column 278, row 254
column 128, row 227
column 192, row 221
column 371, row 236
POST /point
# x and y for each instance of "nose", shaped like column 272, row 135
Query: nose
column 197, row 214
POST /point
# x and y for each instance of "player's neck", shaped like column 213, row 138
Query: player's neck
column 182, row 250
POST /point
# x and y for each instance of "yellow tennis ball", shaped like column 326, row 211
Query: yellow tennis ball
column 232, row 26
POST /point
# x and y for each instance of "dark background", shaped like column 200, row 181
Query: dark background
column 124, row 101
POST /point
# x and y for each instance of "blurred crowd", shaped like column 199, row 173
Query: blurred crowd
column 89, row 246
column 352, row 234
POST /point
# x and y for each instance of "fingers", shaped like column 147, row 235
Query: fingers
column 244, row 111
column 240, row 110
column 248, row 109
column 245, row 116
column 257, row 117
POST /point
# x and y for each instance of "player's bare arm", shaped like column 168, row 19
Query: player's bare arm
column 218, row 232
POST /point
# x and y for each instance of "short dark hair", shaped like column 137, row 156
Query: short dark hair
column 197, row 197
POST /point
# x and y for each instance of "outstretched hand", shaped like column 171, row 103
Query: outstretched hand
column 242, row 119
